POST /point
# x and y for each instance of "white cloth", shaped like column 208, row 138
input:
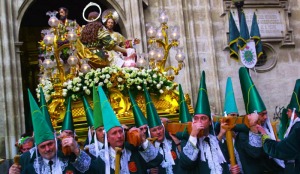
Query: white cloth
column 212, row 153
column 166, row 151
column 269, row 130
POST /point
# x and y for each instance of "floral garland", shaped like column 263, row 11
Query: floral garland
column 47, row 87
column 118, row 78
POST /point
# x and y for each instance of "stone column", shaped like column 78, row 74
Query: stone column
column 11, row 98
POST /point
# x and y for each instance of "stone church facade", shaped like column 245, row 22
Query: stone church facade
column 204, row 36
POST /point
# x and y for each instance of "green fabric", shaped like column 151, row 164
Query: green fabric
column 252, row 99
column 255, row 34
column 294, row 102
column 152, row 116
column 284, row 121
column 98, row 118
column 88, row 112
column 68, row 119
column 138, row 115
column 253, row 159
column 202, row 106
column 110, row 119
column 230, row 104
column 286, row 149
column 234, row 35
column 44, row 109
column 245, row 37
column 184, row 114
column 42, row 131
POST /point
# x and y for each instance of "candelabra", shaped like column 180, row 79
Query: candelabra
column 160, row 41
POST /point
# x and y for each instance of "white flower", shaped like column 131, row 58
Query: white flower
column 127, row 75
column 87, row 91
column 107, row 76
column 64, row 94
column 161, row 82
column 65, row 84
column 168, row 88
column 96, row 80
column 69, row 87
column 161, row 91
column 139, row 87
column 77, row 89
column 158, row 86
column 109, row 85
column 154, row 76
column 80, row 74
column 84, row 88
column 101, row 84
column 120, row 79
column 106, row 81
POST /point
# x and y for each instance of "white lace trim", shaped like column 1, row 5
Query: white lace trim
column 169, row 161
column 126, row 154
column 212, row 154
column 255, row 139
column 190, row 151
column 92, row 148
column 149, row 153
column 83, row 162
column 41, row 167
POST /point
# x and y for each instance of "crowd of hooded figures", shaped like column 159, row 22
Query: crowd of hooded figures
column 148, row 147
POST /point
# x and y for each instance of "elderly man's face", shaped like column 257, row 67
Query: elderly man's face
column 158, row 132
column 26, row 146
column 47, row 149
column 115, row 137
column 62, row 14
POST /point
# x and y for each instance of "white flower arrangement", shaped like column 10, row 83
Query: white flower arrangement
column 47, row 87
column 113, row 77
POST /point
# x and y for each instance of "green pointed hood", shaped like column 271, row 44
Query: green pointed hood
column 252, row 99
column 294, row 103
column 98, row 119
column 42, row 131
column 230, row 104
column 88, row 112
column 152, row 116
column 44, row 109
column 110, row 119
column 202, row 106
column 184, row 114
column 68, row 119
column 138, row 115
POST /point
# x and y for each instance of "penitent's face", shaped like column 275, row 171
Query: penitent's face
column 262, row 116
column 115, row 137
column 203, row 120
column 100, row 134
column 47, row 149
column 158, row 132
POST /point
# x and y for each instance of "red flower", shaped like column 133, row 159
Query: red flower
column 174, row 155
column 132, row 167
